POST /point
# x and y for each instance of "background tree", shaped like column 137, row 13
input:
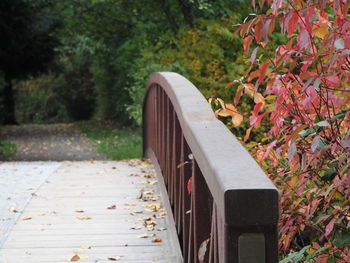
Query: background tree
column 26, row 45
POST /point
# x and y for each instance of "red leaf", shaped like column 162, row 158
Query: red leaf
column 262, row 72
column 255, row 120
column 246, row 43
column 257, row 31
column 292, row 24
column 189, row 185
column 261, row 3
column 258, row 107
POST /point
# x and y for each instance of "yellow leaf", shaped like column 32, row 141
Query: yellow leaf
column 224, row 113
column 258, row 98
column 321, row 31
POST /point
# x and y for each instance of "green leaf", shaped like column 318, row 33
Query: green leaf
column 332, row 164
column 318, row 143
column 295, row 257
column 329, row 175
column 340, row 115
column 342, row 240
column 307, row 132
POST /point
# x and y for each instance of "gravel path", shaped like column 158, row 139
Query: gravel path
column 54, row 142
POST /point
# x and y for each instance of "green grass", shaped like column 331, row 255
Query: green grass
column 117, row 143
column 7, row 149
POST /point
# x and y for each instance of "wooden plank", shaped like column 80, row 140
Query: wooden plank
column 70, row 213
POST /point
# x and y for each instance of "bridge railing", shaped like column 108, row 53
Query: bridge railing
column 224, row 207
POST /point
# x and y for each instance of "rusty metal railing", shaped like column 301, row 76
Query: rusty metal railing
column 224, row 207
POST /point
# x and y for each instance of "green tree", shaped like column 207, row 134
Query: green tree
column 26, row 45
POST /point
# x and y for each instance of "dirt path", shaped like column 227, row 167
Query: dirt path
column 54, row 142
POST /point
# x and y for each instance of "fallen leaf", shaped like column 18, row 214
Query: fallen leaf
column 154, row 207
column 112, row 207
column 136, row 227
column 85, row 247
column 129, row 204
column 156, row 239
column 26, row 218
column 13, row 210
column 115, row 258
column 135, row 212
column 75, row 258
column 83, row 217
column 79, row 211
column 41, row 213
column 145, row 235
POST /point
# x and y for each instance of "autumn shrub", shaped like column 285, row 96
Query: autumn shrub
column 301, row 93
column 203, row 54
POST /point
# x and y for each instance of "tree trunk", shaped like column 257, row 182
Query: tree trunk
column 187, row 11
column 171, row 19
column 9, row 102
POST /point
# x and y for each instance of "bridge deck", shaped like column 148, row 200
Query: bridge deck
column 99, row 211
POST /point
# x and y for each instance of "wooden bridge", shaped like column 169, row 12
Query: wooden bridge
column 210, row 201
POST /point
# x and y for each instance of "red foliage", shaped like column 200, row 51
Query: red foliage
column 307, row 85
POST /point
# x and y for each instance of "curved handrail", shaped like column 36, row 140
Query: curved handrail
column 244, row 196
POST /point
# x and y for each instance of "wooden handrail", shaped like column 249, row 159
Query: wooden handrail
column 225, row 208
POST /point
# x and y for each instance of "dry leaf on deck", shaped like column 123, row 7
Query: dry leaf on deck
column 156, row 239
column 112, row 207
column 83, row 217
column 26, row 218
column 145, row 235
column 13, row 210
column 75, row 258
column 115, row 258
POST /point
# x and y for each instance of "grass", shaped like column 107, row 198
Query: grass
column 7, row 149
column 117, row 143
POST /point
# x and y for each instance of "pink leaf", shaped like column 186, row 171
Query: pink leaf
column 266, row 29
column 329, row 227
column 304, row 40
column 253, row 56
column 291, row 151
